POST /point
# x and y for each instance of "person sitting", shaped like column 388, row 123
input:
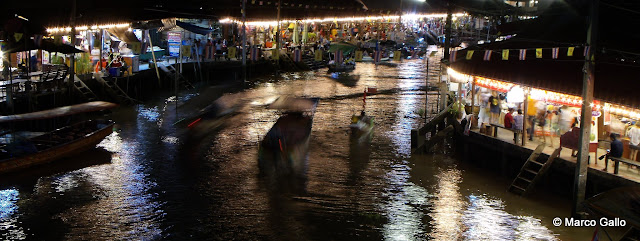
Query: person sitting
column 615, row 151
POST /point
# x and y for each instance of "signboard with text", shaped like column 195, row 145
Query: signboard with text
column 174, row 40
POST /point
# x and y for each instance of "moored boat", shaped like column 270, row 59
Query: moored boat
column 19, row 150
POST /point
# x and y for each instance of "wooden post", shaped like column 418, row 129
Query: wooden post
column 473, row 95
column 72, row 63
column 244, row 41
column 447, row 42
column 524, row 116
column 155, row 63
column 580, row 180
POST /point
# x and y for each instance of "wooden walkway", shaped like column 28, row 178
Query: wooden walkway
column 625, row 171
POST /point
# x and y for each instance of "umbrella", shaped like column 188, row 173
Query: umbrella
column 346, row 48
column 46, row 44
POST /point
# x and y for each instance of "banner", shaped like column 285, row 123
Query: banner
column 539, row 53
column 377, row 56
column 505, row 54
column 452, row 57
column 297, row 55
column 186, row 51
column 523, row 54
column 174, row 40
column 487, row 55
column 231, row 52
column 254, row 54
column 586, row 51
column 339, row 59
column 570, row 51
column 358, row 55
column 469, row 54
column 554, row 53
column 397, row 55
column 318, row 55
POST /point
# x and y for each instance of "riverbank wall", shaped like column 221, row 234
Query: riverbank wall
column 506, row 159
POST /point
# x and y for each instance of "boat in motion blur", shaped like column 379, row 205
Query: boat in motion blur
column 284, row 148
column 208, row 119
column 20, row 150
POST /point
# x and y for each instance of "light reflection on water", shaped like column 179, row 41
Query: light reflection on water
column 368, row 191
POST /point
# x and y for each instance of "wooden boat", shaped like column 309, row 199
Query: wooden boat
column 23, row 151
column 284, row 148
column 208, row 119
column 370, row 59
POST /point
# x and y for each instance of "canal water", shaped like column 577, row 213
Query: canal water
column 144, row 183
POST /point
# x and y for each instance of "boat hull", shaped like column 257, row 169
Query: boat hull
column 341, row 68
column 57, row 152
column 283, row 151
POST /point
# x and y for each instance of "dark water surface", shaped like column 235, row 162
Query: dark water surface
column 149, row 186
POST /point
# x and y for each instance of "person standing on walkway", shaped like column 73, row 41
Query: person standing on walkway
column 494, row 107
column 518, row 125
column 634, row 135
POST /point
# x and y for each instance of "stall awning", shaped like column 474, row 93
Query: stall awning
column 615, row 82
column 123, row 34
column 193, row 28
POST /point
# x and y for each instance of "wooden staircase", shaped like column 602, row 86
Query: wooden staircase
column 309, row 61
column 83, row 89
column 532, row 170
column 172, row 72
column 114, row 90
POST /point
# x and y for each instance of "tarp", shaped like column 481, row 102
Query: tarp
column 193, row 28
column 623, row 203
column 60, row 111
column 123, row 34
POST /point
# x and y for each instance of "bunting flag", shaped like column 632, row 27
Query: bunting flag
column 469, row 54
column 586, row 50
column 523, row 54
column 377, row 56
column 338, row 58
column 297, row 55
column 359, row 55
column 17, row 36
column 505, row 54
column 453, row 56
column 539, row 53
column 318, row 55
column 487, row 55
column 554, row 53
column 570, row 51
